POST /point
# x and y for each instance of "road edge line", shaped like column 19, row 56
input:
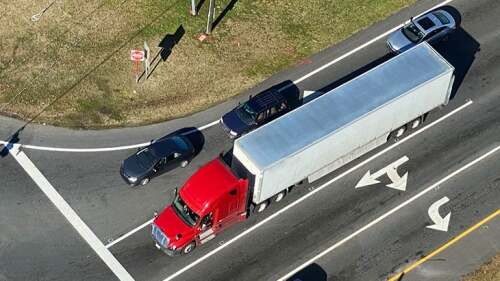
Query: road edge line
column 445, row 246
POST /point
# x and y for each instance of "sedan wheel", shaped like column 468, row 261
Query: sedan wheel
column 144, row 181
column 184, row 163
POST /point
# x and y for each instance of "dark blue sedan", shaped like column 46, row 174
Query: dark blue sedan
column 159, row 157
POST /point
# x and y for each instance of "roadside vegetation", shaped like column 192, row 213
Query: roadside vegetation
column 71, row 68
column 490, row 271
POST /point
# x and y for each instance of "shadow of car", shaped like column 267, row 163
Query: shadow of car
column 158, row 158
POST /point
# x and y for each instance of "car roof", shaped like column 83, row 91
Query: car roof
column 429, row 22
column 163, row 147
column 265, row 100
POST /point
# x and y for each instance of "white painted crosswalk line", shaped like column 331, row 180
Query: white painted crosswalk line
column 72, row 217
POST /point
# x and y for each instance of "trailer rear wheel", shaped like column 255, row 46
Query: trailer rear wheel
column 400, row 131
column 278, row 197
column 416, row 123
column 261, row 207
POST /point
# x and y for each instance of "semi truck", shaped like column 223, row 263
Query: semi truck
column 305, row 145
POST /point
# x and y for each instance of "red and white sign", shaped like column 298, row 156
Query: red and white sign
column 137, row 55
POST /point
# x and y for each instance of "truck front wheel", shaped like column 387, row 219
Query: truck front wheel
column 189, row 248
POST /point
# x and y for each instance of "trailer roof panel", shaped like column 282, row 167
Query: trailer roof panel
column 324, row 115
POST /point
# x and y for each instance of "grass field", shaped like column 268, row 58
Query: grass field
column 72, row 67
column 488, row 272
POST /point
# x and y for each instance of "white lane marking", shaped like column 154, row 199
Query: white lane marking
column 392, row 211
column 72, row 217
column 123, row 237
column 284, row 209
column 440, row 223
column 104, row 149
column 58, row 149
column 308, row 93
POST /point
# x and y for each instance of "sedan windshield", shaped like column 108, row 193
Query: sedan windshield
column 146, row 158
column 412, row 33
column 184, row 212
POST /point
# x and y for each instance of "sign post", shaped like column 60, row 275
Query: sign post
column 136, row 56
column 193, row 8
column 147, row 60
column 211, row 12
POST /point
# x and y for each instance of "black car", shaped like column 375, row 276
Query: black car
column 159, row 157
column 257, row 111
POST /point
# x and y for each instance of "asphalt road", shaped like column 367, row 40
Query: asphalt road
column 37, row 243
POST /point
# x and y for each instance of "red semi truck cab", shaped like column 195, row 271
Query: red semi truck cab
column 211, row 200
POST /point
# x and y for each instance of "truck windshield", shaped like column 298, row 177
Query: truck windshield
column 184, row 212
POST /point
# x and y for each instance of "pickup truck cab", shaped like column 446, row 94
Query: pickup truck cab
column 201, row 209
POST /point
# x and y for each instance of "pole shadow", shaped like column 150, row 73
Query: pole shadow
column 199, row 5
column 221, row 16
column 166, row 45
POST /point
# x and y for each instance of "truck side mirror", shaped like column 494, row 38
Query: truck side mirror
column 175, row 192
column 155, row 213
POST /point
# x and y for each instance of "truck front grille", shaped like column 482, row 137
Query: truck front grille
column 158, row 236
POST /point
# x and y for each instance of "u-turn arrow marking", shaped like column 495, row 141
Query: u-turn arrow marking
column 440, row 223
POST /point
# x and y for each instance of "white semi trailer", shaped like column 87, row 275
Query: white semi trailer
column 304, row 144
column 344, row 123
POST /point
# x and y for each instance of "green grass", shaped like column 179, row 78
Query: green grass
column 78, row 53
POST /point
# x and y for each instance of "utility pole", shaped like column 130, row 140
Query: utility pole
column 193, row 8
column 211, row 12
